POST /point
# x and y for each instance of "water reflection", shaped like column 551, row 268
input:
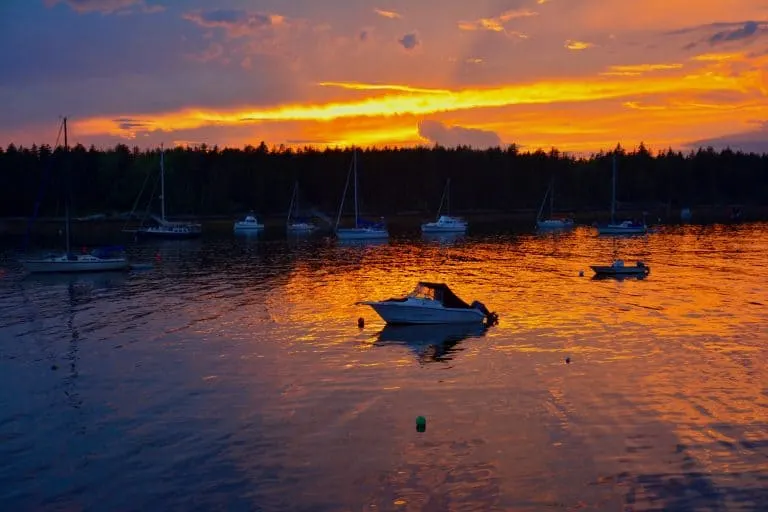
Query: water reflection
column 444, row 238
column 430, row 343
column 239, row 364
column 374, row 242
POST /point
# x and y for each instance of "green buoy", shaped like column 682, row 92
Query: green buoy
column 421, row 424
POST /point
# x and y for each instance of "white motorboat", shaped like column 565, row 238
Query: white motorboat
column 626, row 227
column 552, row 223
column 164, row 228
column 363, row 230
column 618, row 268
column 430, row 303
column 100, row 260
column 294, row 224
column 249, row 224
column 445, row 223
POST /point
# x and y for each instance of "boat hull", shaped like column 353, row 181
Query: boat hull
column 62, row 265
column 248, row 229
column 404, row 314
column 427, row 228
column 168, row 235
column 621, row 230
column 361, row 234
column 620, row 271
column 554, row 224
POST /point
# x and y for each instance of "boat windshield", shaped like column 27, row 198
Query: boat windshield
column 425, row 292
column 440, row 293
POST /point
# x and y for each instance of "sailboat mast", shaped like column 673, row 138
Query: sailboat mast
column 66, row 199
column 552, row 199
column 448, row 197
column 613, row 192
column 355, row 170
column 162, row 182
column 293, row 199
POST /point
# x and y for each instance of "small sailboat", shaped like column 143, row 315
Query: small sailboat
column 618, row 268
column 430, row 303
column 445, row 223
column 294, row 224
column 627, row 227
column 164, row 228
column 249, row 224
column 552, row 223
column 99, row 260
column 363, row 230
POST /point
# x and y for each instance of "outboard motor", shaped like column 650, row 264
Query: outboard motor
column 491, row 318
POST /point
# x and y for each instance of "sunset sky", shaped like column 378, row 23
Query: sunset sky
column 579, row 75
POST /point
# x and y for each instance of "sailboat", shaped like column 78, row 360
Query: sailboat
column 165, row 228
column 363, row 230
column 552, row 223
column 99, row 260
column 297, row 224
column 627, row 227
column 445, row 223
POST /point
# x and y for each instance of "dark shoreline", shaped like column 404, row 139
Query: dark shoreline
column 704, row 215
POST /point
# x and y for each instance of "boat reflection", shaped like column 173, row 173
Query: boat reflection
column 373, row 242
column 619, row 277
column 79, row 282
column 444, row 238
column 430, row 343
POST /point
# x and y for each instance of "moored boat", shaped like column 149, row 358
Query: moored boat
column 618, row 268
column 445, row 223
column 430, row 303
column 99, row 260
column 249, row 224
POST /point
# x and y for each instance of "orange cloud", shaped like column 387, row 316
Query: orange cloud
column 577, row 45
column 387, row 14
column 399, row 100
column 496, row 24
column 639, row 69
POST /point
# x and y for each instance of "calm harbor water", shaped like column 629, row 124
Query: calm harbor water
column 233, row 376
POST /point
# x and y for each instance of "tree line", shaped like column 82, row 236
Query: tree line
column 213, row 181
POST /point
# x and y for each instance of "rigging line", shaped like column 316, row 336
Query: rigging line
column 41, row 190
column 138, row 198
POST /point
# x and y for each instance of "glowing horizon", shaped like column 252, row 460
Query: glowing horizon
column 392, row 75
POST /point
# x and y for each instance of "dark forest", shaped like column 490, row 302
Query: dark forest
column 207, row 181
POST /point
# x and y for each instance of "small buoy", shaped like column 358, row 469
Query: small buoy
column 421, row 424
column 54, row 367
column 361, row 322
column 581, row 273
column 157, row 256
column 567, row 360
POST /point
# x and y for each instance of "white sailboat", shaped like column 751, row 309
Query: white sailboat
column 99, row 260
column 295, row 224
column 627, row 227
column 164, row 228
column 363, row 230
column 445, row 223
column 552, row 223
